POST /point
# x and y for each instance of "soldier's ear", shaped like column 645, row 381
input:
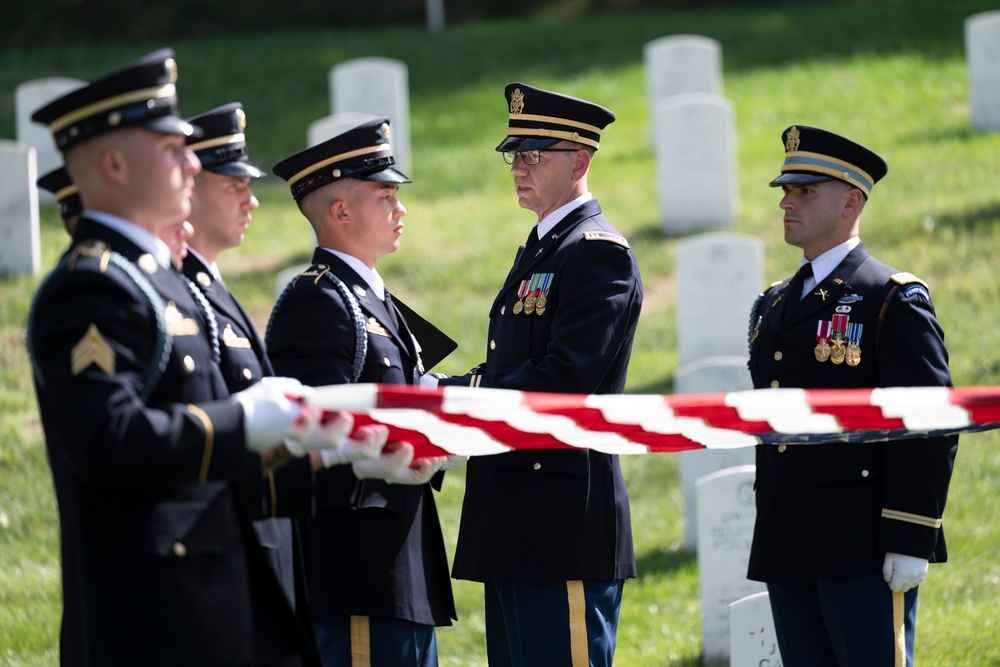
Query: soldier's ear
column 112, row 165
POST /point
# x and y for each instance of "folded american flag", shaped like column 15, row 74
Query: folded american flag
column 476, row 421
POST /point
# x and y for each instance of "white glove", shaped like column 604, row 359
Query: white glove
column 903, row 572
column 268, row 413
column 453, row 461
column 393, row 467
column 314, row 431
column 367, row 444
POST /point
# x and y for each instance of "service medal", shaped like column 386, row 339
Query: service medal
column 839, row 331
column 543, row 293
column 521, row 291
column 853, row 356
column 532, row 298
column 822, row 349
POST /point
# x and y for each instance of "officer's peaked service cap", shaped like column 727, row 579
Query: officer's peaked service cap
column 66, row 193
column 540, row 118
column 222, row 144
column 363, row 153
column 140, row 94
column 813, row 155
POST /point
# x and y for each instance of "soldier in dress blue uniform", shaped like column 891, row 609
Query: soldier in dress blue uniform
column 844, row 532
column 147, row 446
column 222, row 205
column 337, row 323
column 549, row 531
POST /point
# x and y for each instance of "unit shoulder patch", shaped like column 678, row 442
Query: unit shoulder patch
column 606, row 236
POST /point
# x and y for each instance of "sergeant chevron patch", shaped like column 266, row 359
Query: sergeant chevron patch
column 92, row 349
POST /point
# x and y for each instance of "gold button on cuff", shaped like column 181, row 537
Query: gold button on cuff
column 189, row 364
column 774, row 384
column 865, row 473
column 782, row 448
column 537, row 466
column 179, row 549
column 777, row 355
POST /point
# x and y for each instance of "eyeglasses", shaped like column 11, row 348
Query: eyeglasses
column 533, row 157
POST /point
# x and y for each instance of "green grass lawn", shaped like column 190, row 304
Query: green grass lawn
column 890, row 74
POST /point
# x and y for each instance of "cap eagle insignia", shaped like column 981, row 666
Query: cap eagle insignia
column 516, row 101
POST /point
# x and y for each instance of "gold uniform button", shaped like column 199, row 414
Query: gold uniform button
column 385, row 360
column 189, row 363
column 782, row 448
column 247, row 374
column 493, row 345
column 864, row 473
column 537, row 466
column 774, row 384
column 179, row 549
column 503, row 309
column 777, row 355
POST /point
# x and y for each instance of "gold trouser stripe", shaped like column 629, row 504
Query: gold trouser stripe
column 899, row 628
column 361, row 646
column 206, row 458
column 578, row 649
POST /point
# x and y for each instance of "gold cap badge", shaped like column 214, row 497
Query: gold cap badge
column 792, row 140
column 516, row 101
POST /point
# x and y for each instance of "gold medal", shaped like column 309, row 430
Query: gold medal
column 838, row 353
column 518, row 307
column 529, row 304
column 541, row 302
column 853, row 356
column 540, row 309
column 822, row 350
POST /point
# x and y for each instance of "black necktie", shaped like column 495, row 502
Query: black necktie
column 532, row 238
column 794, row 291
column 391, row 307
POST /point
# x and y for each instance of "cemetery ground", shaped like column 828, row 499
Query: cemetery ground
column 890, row 74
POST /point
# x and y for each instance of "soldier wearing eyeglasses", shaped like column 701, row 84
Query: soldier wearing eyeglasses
column 548, row 532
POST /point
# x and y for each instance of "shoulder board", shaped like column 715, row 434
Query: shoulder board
column 315, row 272
column 906, row 279
column 606, row 236
column 96, row 248
column 774, row 284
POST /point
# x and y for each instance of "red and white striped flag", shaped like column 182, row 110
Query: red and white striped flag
column 476, row 421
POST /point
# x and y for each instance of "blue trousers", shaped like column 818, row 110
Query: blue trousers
column 365, row 641
column 552, row 624
column 848, row 622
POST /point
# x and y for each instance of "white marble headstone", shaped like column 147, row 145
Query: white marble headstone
column 682, row 64
column 694, row 143
column 718, row 278
column 752, row 642
column 377, row 86
column 20, row 244
column 709, row 375
column 982, row 55
column 329, row 127
column 726, row 514
column 28, row 98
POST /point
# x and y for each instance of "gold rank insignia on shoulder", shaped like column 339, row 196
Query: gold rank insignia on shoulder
column 177, row 324
column 92, row 248
column 606, row 236
column 373, row 327
column 315, row 271
column 92, row 349
column 230, row 339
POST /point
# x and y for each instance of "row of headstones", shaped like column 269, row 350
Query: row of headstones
column 694, row 129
